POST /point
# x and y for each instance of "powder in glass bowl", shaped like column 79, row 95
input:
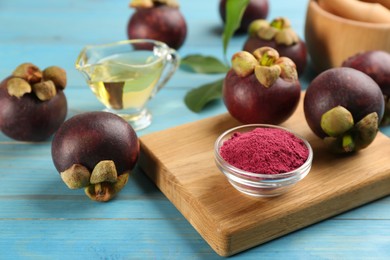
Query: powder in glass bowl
column 265, row 151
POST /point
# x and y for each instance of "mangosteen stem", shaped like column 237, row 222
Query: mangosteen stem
column 99, row 189
column 268, row 59
column 267, row 72
column 278, row 23
column 105, row 191
column 348, row 143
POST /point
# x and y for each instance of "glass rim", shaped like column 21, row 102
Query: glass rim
column 123, row 42
column 159, row 44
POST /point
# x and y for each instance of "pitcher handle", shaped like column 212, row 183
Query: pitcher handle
column 172, row 60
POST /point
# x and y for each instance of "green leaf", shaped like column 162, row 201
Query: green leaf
column 197, row 98
column 234, row 12
column 204, row 64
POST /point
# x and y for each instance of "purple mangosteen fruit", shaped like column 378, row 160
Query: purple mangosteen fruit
column 32, row 102
column 278, row 35
column 261, row 87
column 375, row 64
column 256, row 9
column 157, row 20
column 95, row 151
column 344, row 106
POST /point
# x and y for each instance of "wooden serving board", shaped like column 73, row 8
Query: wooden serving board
column 180, row 161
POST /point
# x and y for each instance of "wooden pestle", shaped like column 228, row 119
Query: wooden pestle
column 385, row 3
column 357, row 10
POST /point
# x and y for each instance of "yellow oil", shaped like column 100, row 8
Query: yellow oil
column 126, row 81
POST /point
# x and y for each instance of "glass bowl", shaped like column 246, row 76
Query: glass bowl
column 257, row 184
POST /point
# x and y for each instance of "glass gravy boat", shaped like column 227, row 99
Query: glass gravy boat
column 125, row 75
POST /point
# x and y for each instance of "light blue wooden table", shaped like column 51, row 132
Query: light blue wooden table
column 41, row 219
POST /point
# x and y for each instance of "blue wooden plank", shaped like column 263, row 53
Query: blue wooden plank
column 129, row 239
column 377, row 210
column 100, row 239
column 78, row 207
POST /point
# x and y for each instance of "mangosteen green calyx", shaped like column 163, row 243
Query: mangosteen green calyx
column 32, row 102
column 159, row 20
column 344, row 106
column 261, row 87
column 95, row 151
column 277, row 34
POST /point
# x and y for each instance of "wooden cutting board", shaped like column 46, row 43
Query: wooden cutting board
column 180, row 161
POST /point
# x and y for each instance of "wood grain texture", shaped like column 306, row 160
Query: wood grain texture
column 180, row 161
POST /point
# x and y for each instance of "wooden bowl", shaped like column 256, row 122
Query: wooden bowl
column 331, row 39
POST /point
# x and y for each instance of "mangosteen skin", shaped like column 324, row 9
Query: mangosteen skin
column 161, row 23
column 248, row 101
column 296, row 52
column 91, row 137
column 375, row 64
column 256, row 9
column 29, row 119
column 347, row 87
